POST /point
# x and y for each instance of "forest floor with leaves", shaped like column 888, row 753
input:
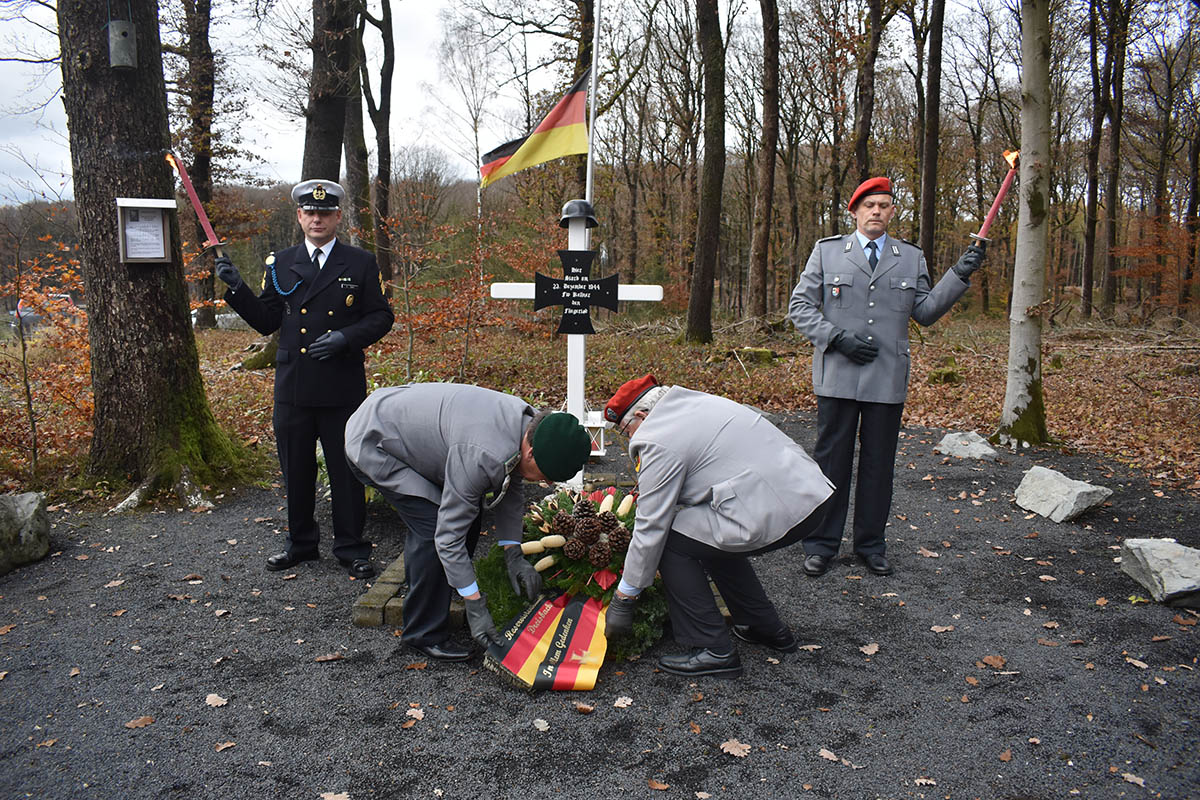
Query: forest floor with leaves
column 151, row 655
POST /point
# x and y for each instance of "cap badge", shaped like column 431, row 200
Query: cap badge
column 319, row 192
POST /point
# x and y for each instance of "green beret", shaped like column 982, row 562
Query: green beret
column 561, row 446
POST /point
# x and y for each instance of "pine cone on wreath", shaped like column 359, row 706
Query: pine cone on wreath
column 563, row 525
column 599, row 554
column 575, row 549
column 609, row 519
column 619, row 538
column 588, row 530
column 584, row 508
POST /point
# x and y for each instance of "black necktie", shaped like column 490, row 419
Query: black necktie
column 316, row 259
column 872, row 257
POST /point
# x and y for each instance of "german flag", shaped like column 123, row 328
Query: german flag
column 556, row 643
column 562, row 133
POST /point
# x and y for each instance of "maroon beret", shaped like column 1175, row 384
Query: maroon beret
column 629, row 393
column 869, row 186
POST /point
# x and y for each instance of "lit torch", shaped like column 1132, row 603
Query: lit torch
column 1011, row 157
column 212, row 240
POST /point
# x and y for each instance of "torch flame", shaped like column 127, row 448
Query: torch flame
column 1011, row 157
column 171, row 160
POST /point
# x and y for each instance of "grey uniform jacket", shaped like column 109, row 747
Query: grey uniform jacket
column 717, row 472
column 838, row 290
column 449, row 444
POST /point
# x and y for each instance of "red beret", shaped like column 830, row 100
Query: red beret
column 869, row 186
column 629, row 393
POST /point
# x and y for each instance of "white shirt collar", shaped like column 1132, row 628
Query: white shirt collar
column 325, row 249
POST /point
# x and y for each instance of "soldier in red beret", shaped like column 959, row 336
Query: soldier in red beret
column 707, row 501
column 854, row 300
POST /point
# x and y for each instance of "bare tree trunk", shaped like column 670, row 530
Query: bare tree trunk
column 381, row 119
column 357, row 208
column 1119, row 23
column 151, row 414
column 325, row 116
column 708, row 222
column 1191, row 221
column 933, row 119
column 200, row 88
column 1101, row 80
column 864, row 89
column 764, row 200
column 1023, row 418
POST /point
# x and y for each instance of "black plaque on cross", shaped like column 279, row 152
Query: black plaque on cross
column 576, row 291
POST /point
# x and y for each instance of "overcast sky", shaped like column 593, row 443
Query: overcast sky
column 34, row 154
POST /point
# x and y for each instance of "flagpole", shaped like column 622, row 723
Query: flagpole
column 592, row 94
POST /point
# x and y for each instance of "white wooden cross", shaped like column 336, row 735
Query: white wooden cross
column 578, row 238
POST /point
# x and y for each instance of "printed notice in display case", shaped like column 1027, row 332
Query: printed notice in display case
column 145, row 229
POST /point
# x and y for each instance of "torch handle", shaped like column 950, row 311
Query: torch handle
column 991, row 215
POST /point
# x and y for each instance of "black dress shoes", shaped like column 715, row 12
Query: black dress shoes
column 287, row 560
column 817, row 565
column 781, row 640
column 877, row 563
column 702, row 661
column 442, row 652
column 358, row 567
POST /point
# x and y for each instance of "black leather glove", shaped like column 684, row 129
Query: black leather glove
column 228, row 273
column 520, row 571
column 855, row 347
column 970, row 261
column 618, row 620
column 479, row 619
column 327, row 345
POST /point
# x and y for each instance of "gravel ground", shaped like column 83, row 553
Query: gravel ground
column 147, row 615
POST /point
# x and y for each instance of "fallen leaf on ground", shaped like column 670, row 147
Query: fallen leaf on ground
column 120, row 612
column 1178, row 619
column 623, row 702
column 925, row 782
column 1006, row 756
column 140, row 722
column 74, row 671
column 584, row 708
column 417, row 665
column 971, row 679
column 335, row 796
column 995, row 662
column 5, row 629
column 811, row 648
column 1131, row 778
column 541, row 724
column 735, row 748
column 1101, row 601
column 1159, row 638
column 417, row 713
column 657, row 786
column 329, row 657
column 1047, row 578
column 219, row 746
column 3, row 675
column 1046, row 642
column 1050, row 625
column 1034, row 740
column 47, row 743
column 702, row 795
column 693, row 727
column 192, row 576
column 215, row 700
column 942, row 628
column 114, row 584
column 408, row 723
column 828, row 755
column 1136, row 663
column 928, row 553
column 870, row 649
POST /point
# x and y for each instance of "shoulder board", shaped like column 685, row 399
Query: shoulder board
column 832, row 238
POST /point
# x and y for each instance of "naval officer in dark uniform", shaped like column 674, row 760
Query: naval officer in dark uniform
column 325, row 299
column 853, row 301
